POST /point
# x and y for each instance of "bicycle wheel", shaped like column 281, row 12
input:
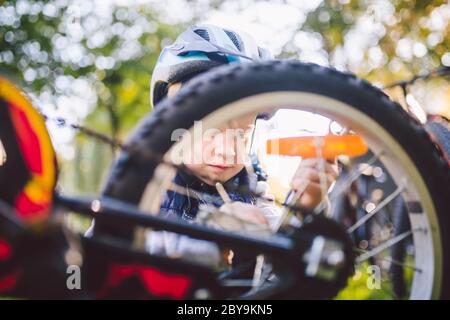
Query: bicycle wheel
column 440, row 133
column 397, row 141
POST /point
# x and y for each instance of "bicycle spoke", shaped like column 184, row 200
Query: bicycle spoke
column 389, row 259
column 347, row 183
column 377, row 209
column 385, row 245
column 402, row 264
column 287, row 206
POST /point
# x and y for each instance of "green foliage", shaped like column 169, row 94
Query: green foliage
column 46, row 43
column 358, row 289
column 412, row 35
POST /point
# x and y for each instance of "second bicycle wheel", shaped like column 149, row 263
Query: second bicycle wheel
column 224, row 97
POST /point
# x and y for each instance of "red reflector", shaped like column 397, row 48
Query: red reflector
column 8, row 282
column 5, row 250
column 156, row 283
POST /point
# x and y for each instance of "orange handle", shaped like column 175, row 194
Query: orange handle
column 330, row 146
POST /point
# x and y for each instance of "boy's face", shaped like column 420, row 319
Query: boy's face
column 222, row 151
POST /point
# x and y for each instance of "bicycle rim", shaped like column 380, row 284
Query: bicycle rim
column 427, row 241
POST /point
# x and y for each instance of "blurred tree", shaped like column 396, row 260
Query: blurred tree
column 65, row 48
column 382, row 40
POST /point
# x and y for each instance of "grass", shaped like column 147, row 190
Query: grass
column 358, row 288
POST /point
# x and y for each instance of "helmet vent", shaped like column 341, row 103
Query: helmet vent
column 234, row 38
column 202, row 33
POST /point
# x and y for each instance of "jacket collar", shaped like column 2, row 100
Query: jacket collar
column 186, row 179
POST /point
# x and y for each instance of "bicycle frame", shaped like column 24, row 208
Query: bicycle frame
column 284, row 250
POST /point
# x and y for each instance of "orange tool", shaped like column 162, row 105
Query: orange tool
column 330, row 146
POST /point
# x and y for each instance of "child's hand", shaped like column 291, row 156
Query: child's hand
column 245, row 211
column 307, row 179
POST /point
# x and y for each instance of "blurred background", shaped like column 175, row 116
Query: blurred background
column 90, row 61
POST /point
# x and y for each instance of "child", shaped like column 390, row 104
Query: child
column 196, row 50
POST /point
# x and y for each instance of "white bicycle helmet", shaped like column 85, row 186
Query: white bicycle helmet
column 198, row 49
